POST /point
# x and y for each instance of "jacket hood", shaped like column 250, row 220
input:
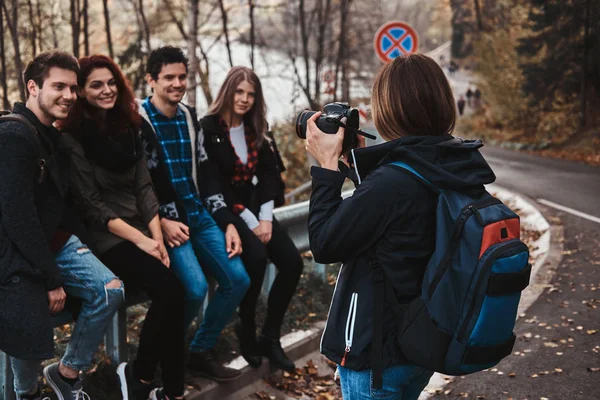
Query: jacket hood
column 446, row 161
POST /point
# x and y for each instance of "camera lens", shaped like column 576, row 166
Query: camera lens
column 301, row 122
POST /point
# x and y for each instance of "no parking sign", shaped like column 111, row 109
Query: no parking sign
column 395, row 38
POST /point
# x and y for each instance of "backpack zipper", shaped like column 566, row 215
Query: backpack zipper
column 349, row 332
column 482, row 274
column 465, row 214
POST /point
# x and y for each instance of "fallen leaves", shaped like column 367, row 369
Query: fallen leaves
column 306, row 382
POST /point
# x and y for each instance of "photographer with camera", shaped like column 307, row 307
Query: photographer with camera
column 386, row 230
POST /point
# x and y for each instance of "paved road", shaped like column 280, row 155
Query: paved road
column 565, row 183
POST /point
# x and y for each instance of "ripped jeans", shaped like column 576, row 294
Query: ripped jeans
column 85, row 277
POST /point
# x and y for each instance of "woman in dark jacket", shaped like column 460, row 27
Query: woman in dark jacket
column 113, row 192
column 390, row 218
column 234, row 137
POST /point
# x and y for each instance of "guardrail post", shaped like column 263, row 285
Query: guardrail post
column 6, row 378
column 116, row 337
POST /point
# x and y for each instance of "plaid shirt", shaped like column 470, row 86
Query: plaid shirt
column 174, row 138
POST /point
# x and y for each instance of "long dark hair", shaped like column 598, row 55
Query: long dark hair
column 256, row 118
column 120, row 118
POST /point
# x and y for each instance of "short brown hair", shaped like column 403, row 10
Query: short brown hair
column 411, row 96
column 38, row 68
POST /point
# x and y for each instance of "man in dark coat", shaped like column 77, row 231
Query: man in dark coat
column 39, row 257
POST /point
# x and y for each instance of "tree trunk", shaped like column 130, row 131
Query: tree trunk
column 584, row 66
column 304, row 38
column 226, row 31
column 192, row 43
column 33, row 33
column 5, row 102
column 145, row 26
column 111, row 52
column 12, row 23
column 40, row 22
column 322, row 16
column 86, row 29
column 53, row 28
column 478, row 16
column 75, row 26
column 342, row 51
column 204, row 75
column 251, row 12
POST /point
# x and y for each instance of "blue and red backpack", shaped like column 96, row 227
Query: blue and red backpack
column 464, row 318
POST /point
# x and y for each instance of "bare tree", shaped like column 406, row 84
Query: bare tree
column 203, row 71
column 12, row 23
column 341, row 61
column 75, row 26
column 226, row 30
column 478, row 16
column 322, row 18
column 86, row 28
column 39, row 22
column 251, row 6
column 53, row 26
column 33, row 33
column 5, row 102
column 145, row 26
column 192, row 43
column 109, row 43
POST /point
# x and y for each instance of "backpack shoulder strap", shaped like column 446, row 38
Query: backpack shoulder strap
column 33, row 138
column 410, row 169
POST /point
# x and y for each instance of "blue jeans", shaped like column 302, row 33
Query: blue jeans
column 400, row 382
column 85, row 277
column 25, row 375
column 207, row 249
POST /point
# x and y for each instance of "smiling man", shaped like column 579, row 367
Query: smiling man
column 40, row 258
column 173, row 145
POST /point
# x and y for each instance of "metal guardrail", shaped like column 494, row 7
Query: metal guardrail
column 293, row 217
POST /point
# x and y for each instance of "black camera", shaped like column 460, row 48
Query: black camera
column 330, row 121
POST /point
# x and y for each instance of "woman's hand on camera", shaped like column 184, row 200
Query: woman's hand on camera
column 325, row 148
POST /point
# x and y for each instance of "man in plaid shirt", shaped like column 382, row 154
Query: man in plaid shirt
column 173, row 145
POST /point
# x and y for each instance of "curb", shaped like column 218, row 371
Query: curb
column 549, row 248
column 296, row 345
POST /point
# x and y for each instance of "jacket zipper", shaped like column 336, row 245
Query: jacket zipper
column 465, row 214
column 349, row 332
column 482, row 274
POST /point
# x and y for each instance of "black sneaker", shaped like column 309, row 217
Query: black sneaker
column 131, row 388
column 273, row 351
column 205, row 364
column 248, row 345
column 63, row 390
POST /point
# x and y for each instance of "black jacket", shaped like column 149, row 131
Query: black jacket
column 102, row 194
column 207, row 179
column 32, row 208
column 220, row 150
column 392, row 213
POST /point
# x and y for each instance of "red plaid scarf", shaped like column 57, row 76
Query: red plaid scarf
column 243, row 173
